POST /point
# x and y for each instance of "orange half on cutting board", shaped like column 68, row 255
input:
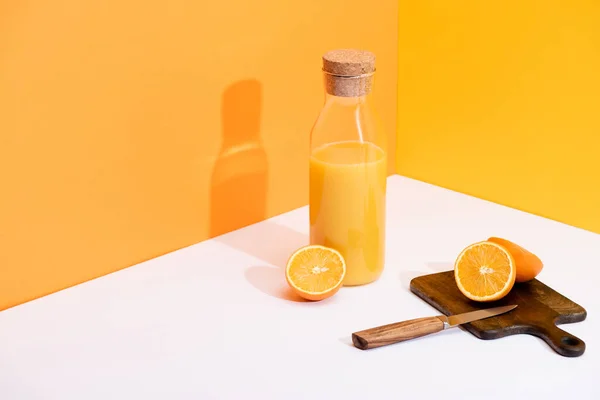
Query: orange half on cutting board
column 485, row 271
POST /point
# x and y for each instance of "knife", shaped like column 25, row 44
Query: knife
column 414, row 328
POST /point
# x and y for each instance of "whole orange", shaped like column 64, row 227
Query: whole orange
column 528, row 264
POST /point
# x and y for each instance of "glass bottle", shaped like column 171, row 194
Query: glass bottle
column 348, row 168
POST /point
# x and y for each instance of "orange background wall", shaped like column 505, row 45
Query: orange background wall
column 125, row 125
column 501, row 100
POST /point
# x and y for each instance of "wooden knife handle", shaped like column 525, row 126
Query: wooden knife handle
column 397, row 332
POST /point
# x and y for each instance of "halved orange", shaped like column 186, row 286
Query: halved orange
column 485, row 271
column 315, row 272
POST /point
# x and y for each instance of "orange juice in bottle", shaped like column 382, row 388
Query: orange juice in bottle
column 348, row 168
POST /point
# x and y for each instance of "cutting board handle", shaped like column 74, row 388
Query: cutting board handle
column 397, row 332
column 561, row 341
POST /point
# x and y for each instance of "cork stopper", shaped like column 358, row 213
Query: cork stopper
column 348, row 72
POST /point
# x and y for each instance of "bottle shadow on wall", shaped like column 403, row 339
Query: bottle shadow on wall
column 239, row 188
column 239, row 180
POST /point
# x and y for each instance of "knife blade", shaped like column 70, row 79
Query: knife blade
column 414, row 328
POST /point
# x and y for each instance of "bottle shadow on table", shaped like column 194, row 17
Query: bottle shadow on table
column 273, row 244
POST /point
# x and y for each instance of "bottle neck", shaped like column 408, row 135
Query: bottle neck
column 347, row 118
column 351, row 102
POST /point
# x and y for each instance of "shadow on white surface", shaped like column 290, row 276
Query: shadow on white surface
column 347, row 340
column 409, row 275
column 440, row 266
column 273, row 244
column 267, row 241
column 434, row 267
column 271, row 280
column 541, row 342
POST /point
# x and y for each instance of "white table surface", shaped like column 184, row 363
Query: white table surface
column 215, row 320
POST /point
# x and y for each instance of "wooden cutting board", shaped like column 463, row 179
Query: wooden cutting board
column 540, row 309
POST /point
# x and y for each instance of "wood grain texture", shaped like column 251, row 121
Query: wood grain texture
column 540, row 309
column 396, row 332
